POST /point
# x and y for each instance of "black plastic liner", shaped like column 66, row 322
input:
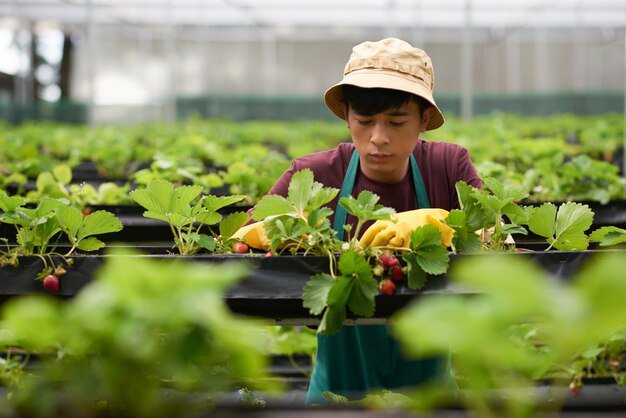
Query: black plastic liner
column 273, row 289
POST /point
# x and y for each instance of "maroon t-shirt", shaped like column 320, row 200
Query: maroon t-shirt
column 441, row 165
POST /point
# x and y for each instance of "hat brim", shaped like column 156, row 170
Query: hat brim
column 380, row 79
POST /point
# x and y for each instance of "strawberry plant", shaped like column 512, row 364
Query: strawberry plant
column 135, row 343
column 187, row 212
column 39, row 230
column 520, row 327
column 495, row 212
column 299, row 222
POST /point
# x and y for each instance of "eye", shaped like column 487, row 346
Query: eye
column 363, row 121
column 397, row 123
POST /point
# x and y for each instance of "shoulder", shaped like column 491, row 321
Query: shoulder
column 440, row 149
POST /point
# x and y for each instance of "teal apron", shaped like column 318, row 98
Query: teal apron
column 362, row 358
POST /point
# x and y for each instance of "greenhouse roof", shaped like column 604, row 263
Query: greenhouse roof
column 324, row 13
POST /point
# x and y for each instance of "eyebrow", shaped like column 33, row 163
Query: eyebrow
column 397, row 112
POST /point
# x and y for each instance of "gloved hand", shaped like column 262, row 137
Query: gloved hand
column 398, row 234
column 254, row 236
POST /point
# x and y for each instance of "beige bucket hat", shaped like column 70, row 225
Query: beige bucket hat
column 390, row 63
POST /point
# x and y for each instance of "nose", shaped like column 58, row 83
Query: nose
column 379, row 135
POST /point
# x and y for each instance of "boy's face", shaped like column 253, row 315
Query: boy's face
column 385, row 140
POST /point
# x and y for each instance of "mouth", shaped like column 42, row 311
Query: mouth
column 379, row 157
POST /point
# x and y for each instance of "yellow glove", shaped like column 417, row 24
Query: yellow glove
column 254, row 236
column 398, row 234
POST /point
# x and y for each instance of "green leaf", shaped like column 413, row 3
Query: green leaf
column 99, row 222
column 353, row 264
column 232, row 223
column 320, row 196
column 608, row 235
column 365, row 207
column 90, row 244
column 425, row 236
column 214, row 203
column 207, row 218
column 300, row 188
column 63, row 173
column 206, row 241
column 272, row 205
column 9, row 204
column 416, row 275
column 340, row 292
column 542, row 220
column 433, row 260
column 476, row 218
column 503, row 193
column 332, row 321
column 361, row 301
column 572, row 220
column 315, row 293
column 70, row 220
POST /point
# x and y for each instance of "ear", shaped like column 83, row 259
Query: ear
column 426, row 116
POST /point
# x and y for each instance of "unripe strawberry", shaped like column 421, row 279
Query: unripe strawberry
column 397, row 273
column 269, row 254
column 59, row 271
column 387, row 287
column 240, row 247
column 574, row 389
column 378, row 270
column 388, row 260
column 51, row 282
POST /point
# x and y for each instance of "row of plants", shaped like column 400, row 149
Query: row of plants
column 556, row 158
column 528, row 327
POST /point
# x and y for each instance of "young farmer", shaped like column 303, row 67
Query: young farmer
column 386, row 99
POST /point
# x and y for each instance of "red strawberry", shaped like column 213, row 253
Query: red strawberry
column 397, row 273
column 388, row 260
column 387, row 287
column 51, row 282
column 269, row 254
column 240, row 247
column 86, row 212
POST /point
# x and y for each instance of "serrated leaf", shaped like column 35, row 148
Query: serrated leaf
column 340, row 291
column 425, row 236
column 315, row 293
column 232, row 223
column 332, row 321
column 365, row 207
column 214, row 203
column 320, row 195
column 300, row 188
column 416, row 275
column 353, row 264
column 272, row 205
column 573, row 218
column 207, row 218
column 361, row 300
column 90, row 244
column 608, row 235
column 206, row 241
column 433, row 260
column 70, row 220
column 542, row 220
column 99, row 222
column 10, row 203
column 504, row 193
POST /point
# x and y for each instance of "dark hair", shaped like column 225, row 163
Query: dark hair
column 369, row 101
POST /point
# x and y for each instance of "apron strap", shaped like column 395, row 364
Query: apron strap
column 348, row 185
